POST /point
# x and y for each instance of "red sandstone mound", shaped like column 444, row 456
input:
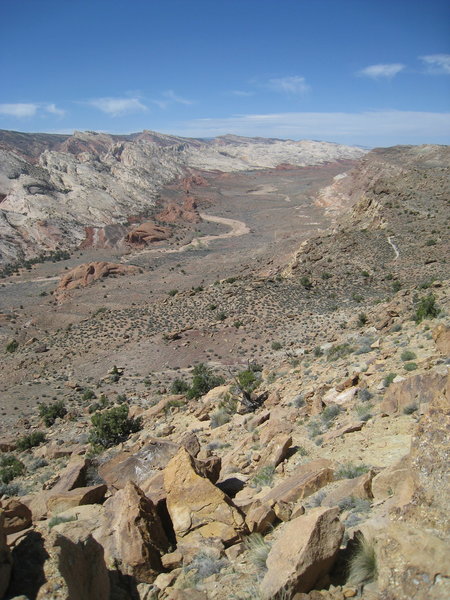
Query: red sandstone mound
column 192, row 180
column 87, row 273
column 147, row 233
column 181, row 214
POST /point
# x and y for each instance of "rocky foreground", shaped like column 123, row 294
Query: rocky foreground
column 318, row 471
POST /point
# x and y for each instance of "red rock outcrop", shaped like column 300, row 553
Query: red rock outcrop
column 180, row 214
column 147, row 233
column 85, row 274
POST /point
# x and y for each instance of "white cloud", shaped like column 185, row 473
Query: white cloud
column 19, row 110
column 437, row 63
column 241, row 93
column 54, row 110
column 170, row 95
column 289, row 85
column 118, row 106
column 380, row 71
column 372, row 128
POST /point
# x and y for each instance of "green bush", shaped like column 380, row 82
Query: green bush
column 410, row 409
column 112, row 426
column 179, row 386
column 389, row 379
column 306, row 282
column 31, row 440
column 12, row 346
column 50, row 412
column 362, row 319
column 203, row 380
column 10, row 468
column 173, row 292
column 411, row 366
column 407, row 355
column 249, row 379
column 276, row 345
column 88, row 394
column 426, row 309
column 330, row 413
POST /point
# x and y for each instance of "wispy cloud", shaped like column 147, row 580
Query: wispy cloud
column 383, row 128
column 437, row 64
column 116, row 107
column 171, row 96
column 54, row 110
column 19, row 110
column 381, row 71
column 289, row 85
column 23, row 110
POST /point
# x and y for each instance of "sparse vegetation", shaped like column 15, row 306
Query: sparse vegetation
column 339, row 351
column 389, row 379
column 263, row 477
column 12, row 346
column 258, row 550
column 426, row 309
column 10, row 468
column 56, row 520
column 407, row 355
column 31, row 440
column 362, row 566
column 350, row 471
column 50, row 412
column 203, row 380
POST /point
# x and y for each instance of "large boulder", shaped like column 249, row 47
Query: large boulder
column 132, row 534
column 75, row 567
column 198, row 509
column 416, row 390
column 304, row 552
column 5, row 559
column 17, row 515
column 138, row 466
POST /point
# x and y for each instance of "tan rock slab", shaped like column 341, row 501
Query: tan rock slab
column 75, row 566
column 197, row 507
column 417, row 389
column 304, row 552
column 132, row 534
column 17, row 515
column 304, row 481
column 57, row 503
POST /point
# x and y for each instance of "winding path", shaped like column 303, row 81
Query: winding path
column 394, row 247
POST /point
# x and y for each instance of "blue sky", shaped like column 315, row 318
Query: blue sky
column 369, row 72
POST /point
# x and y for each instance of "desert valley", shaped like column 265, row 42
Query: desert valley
column 225, row 369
